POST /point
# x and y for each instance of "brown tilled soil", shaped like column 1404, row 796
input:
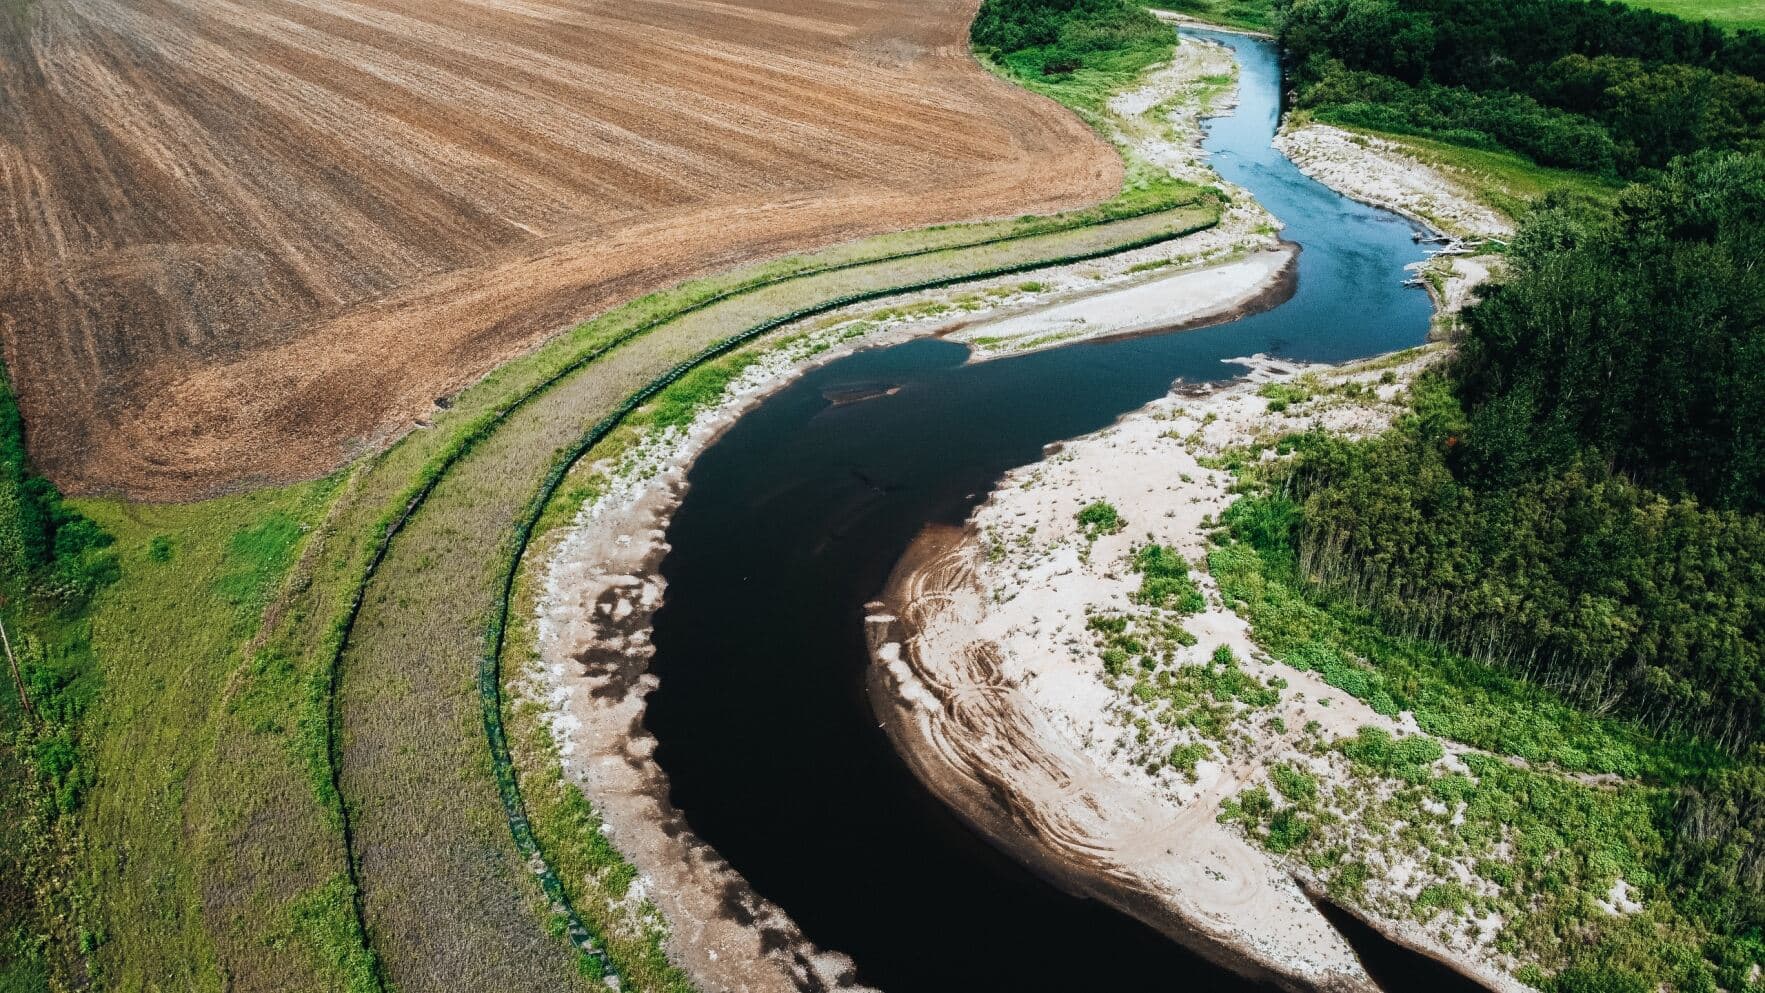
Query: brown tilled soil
column 246, row 239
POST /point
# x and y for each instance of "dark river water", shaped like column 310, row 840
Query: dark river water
column 794, row 519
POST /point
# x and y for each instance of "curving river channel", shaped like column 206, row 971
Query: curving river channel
column 794, row 519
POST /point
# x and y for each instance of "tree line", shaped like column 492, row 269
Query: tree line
column 1596, row 86
column 1580, row 494
column 1056, row 37
column 1579, row 497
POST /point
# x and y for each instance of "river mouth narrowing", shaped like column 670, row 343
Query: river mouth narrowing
column 794, row 520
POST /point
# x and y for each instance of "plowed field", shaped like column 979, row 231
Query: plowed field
column 243, row 240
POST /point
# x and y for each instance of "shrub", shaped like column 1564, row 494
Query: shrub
column 1407, row 759
column 1100, row 518
column 1296, row 785
column 1165, row 581
column 1185, row 757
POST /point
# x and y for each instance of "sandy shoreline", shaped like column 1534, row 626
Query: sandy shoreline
column 993, row 688
column 1380, row 173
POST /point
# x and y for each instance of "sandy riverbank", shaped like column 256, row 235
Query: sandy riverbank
column 1379, row 172
column 994, row 686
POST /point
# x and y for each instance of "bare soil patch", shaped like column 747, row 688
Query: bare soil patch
column 251, row 238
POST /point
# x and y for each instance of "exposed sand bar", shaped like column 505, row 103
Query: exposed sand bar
column 993, row 689
column 985, row 678
column 1169, row 303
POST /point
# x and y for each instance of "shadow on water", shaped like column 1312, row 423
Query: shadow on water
column 796, row 516
column 1393, row 966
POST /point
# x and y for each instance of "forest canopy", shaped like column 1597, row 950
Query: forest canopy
column 1577, row 499
column 1060, row 36
column 1596, row 86
column 1580, row 496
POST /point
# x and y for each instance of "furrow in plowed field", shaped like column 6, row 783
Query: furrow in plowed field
column 248, row 238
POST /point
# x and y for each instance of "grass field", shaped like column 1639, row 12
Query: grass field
column 1727, row 13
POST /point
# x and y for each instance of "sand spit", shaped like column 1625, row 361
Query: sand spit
column 995, row 689
column 1379, row 172
column 1164, row 304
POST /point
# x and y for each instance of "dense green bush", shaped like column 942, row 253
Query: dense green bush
column 1580, row 501
column 46, row 547
column 1051, row 39
column 1636, row 340
column 1165, row 581
column 1067, row 29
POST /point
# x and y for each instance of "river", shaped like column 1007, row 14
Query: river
column 794, row 519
